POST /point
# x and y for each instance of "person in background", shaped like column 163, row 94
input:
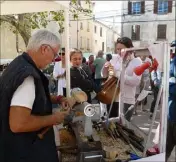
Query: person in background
column 108, row 57
column 104, row 70
column 98, row 64
column 131, row 81
column 155, row 85
column 171, row 122
column 145, row 80
column 26, row 105
column 59, row 74
column 91, row 66
column 84, row 60
column 79, row 76
column 86, row 67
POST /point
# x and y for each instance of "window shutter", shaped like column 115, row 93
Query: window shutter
column 169, row 6
column 137, row 32
column 143, row 7
column 155, row 9
column 129, row 7
column 132, row 32
column 161, row 34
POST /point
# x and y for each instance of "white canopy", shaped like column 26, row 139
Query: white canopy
column 20, row 7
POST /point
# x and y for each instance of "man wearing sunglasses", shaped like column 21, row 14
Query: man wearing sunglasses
column 59, row 73
column 26, row 105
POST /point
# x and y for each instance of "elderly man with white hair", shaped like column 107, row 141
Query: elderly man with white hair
column 26, row 105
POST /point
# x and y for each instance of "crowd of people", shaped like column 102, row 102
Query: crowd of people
column 26, row 103
column 96, row 72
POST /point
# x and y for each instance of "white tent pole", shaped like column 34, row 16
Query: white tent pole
column 153, row 118
column 121, row 104
column 67, row 53
column 163, row 124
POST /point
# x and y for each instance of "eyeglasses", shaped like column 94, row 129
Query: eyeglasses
column 61, row 54
column 54, row 53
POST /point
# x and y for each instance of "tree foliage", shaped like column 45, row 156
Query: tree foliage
column 23, row 23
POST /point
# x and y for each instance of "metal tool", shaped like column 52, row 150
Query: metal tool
column 89, row 110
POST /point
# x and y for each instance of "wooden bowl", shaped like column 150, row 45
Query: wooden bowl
column 80, row 96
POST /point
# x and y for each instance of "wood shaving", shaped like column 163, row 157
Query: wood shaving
column 117, row 144
column 66, row 137
column 68, row 157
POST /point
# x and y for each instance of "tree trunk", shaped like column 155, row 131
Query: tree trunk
column 20, row 26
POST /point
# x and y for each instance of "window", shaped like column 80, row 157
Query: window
column 102, row 46
column 161, row 32
column 95, row 29
column 101, row 31
column 81, row 26
column 162, row 6
column 88, row 27
column 135, row 32
column 136, row 7
column 88, row 44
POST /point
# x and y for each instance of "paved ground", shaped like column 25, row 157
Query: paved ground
column 143, row 121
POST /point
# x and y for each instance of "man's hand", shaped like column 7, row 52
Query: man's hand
column 60, row 116
column 64, row 102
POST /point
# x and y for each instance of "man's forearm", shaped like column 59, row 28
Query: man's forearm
column 38, row 122
column 32, row 123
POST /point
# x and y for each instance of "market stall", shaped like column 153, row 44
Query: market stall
column 120, row 140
